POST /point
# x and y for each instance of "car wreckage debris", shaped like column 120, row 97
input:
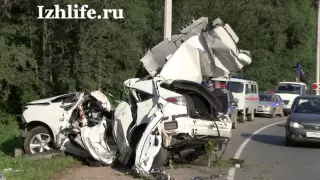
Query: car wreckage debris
column 170, row 121
column 238, row 163
column 155, row 174
column 42, row 155
column 161, row 174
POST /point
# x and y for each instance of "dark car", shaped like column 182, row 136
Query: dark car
column 303, row 124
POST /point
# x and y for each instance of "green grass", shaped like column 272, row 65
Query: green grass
column 42, row 169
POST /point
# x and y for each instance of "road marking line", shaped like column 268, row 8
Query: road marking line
column 232, row 171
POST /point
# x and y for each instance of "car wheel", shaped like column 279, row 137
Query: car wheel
column 251, row 117
column 242, row 118
column 161, row 158
column 273, row 115
column 281, row 114
column 289, row 142
column 234, row 125
column 38, row 140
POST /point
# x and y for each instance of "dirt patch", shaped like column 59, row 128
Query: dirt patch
column 83, row 172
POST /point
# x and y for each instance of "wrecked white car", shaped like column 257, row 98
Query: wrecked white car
column 167, row 110
column 66, row 122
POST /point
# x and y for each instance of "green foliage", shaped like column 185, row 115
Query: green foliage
column 22, row 169
column 41, row 58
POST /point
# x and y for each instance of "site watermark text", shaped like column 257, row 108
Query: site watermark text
column 78, row 12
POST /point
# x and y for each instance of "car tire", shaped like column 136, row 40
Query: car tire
column 273, row 115
column 31, row 135
column 281, row 114
column 161, row 158
column 250, row 117
column 242, row 118
column 234, row 125
column 289, row 142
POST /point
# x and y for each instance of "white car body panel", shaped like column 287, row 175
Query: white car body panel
column 197, row 53
column 49, row 114
column 147, row 149
column 103, row 98
column 96, row 143
column 47, row 100
column 122, row 121
column 289, row 96
column 184, row 64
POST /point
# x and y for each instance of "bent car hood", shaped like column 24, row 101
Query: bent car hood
column 202, row 50
column 48, row 100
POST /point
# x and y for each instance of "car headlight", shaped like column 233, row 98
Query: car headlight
column 295, row 125
column 266, row 106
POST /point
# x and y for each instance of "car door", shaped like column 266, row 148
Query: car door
column 281, row 103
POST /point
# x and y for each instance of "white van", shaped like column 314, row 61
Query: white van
column 288, row 91
column 247, row 93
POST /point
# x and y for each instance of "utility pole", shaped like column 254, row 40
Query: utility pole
column 167, row 19
column 318, row 47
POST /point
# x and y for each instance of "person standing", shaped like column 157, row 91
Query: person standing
column 299, row 72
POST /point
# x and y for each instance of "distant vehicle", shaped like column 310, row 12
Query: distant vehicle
column 288, row 91
column 232, row 111
column 246, row 91
column 270, row 104
column 303, row 124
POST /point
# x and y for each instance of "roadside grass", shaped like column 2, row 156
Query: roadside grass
column 23, row 169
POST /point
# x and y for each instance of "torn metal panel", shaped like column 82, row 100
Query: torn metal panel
column 149, row 145
column 211, row 48
column 95, row 142
column 121, row 124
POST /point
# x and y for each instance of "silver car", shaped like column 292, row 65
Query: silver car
column 270, row 104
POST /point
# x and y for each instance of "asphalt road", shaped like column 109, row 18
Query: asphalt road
column 259, row 143
column 268, row 158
